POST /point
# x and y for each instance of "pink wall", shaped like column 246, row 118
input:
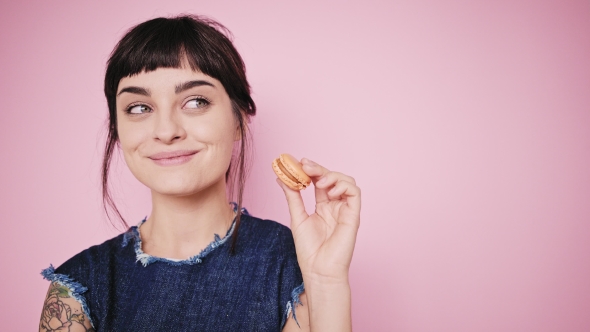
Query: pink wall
column 466, row 124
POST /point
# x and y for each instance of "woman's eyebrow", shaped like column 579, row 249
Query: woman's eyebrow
column 178, row 89
column 135, row 89
column 191, row 84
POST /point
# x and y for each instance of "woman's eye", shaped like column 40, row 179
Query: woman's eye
column 138, row 109
column 196, row 103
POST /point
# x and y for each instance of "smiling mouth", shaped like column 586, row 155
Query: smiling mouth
column 173, row 157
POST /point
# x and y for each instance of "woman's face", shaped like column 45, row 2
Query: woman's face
column 176, row 129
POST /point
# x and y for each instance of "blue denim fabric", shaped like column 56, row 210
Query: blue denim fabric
column 124, row 289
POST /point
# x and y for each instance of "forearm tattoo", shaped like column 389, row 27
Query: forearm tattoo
column 58, row 314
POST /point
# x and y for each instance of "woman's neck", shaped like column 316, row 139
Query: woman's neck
column 181, row 226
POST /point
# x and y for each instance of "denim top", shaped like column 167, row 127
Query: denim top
column 121, row 288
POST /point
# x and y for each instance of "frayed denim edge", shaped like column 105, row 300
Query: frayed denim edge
column 290, row 308
column 146, row 259
column 76, row 289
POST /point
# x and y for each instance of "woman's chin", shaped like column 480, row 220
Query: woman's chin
column 178, row 192
column 179, row 188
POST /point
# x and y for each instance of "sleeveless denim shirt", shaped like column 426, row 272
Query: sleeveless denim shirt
column 121, row 288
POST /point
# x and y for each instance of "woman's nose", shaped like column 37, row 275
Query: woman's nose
column 169, row 127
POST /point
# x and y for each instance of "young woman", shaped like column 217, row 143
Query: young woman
column 179, row 104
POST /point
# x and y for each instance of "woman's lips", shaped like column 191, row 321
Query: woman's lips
column 173, row 157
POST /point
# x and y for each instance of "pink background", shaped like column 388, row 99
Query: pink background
column 466, row 124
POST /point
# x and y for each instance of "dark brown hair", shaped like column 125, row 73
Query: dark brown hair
column 165, row 43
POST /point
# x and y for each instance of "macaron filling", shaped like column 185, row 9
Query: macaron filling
column 286, row 172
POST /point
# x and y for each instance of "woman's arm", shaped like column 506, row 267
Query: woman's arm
column 324, row 242
column 61, row 312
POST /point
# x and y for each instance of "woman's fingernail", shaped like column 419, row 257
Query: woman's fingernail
column 321, row 181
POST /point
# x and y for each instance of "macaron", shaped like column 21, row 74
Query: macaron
column 290, row 171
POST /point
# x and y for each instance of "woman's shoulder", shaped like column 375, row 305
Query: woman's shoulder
column 264, row 225
column 92, row 258
column 266, row 233
column 82, row 271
